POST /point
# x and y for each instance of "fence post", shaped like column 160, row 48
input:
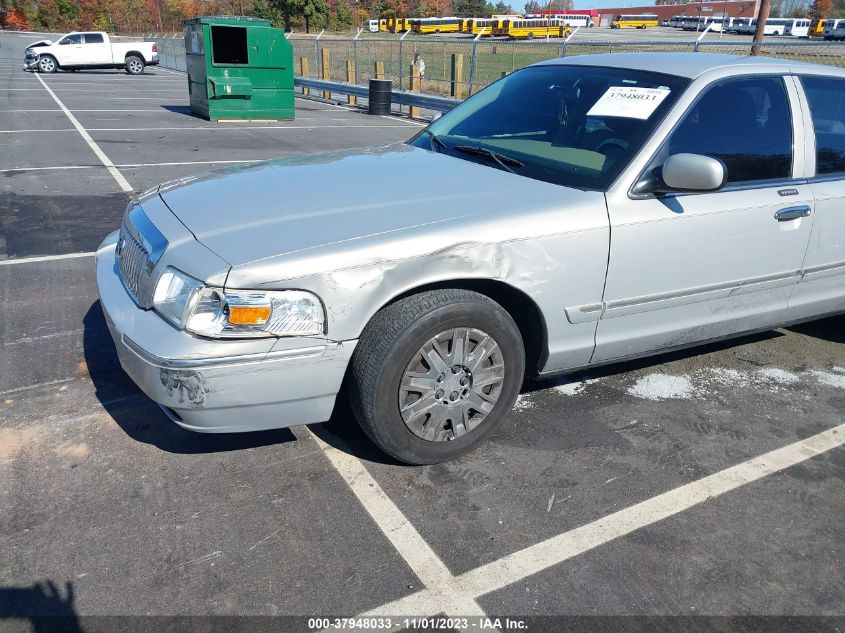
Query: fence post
column 350, row 78
column 400, row 58
column 474, row 59
column 379, row 70
column 317, row 54
column 700, row 37
column 457, row 77
column 326, row 63
column 566, row 41
column 303, row 70
column 355, row 53
column 414, row 111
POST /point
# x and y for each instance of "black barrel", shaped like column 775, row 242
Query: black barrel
column 380, row 93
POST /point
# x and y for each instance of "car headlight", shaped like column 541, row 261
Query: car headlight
column 174, row 295
column 216, row 313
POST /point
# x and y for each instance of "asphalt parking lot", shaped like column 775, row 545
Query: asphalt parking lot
column 707, row 482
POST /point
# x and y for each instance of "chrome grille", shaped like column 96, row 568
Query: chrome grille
column 135, row 265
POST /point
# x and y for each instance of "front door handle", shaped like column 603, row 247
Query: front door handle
column 792, row 213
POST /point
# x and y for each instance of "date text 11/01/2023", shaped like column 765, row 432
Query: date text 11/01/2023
column 432, row 623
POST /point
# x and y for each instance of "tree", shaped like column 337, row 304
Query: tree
column 263, row 9
column 821, row 9
column 15, row 20
column 433, row 8
column 502, row 8
column 314, row 12
column 470, row 8
column 561, row 6
column 341, row 19
column 532, row 6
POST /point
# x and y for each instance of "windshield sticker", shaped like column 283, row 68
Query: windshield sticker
column 628, row 102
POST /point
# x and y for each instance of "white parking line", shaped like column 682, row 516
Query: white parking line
column 89, row 91
column 121, row 181
column 172, row 72
column 413, row 549
column 204, row 128
column 553, row 551
column 43, row 258
column 137, row 165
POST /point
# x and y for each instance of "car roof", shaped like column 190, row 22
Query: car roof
column 690, row 65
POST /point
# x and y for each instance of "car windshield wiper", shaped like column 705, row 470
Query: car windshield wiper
column 505, row 161
column 435, row 140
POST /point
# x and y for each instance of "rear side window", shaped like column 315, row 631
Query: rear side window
column 827, row 105
column 93, row 38
column 746, row 123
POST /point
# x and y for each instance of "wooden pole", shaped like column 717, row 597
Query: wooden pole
column 457, row 88
column 350, row 79
column 379, row 70
column 327, row 70
column 303, row 71
column 415, row 87
column 762, row 16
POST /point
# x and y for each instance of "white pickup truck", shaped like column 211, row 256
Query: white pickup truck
column 94, row 49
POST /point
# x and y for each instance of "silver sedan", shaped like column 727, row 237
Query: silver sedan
column 577, row 212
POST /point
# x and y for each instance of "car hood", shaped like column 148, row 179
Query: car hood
column 298, row 204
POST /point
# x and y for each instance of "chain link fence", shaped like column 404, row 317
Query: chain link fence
column 461, row 66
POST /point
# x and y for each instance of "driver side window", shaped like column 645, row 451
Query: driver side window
column 745, row 123
column 72, row 39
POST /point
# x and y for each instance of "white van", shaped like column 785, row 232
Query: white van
column 834, row 30
column 737, row 25
column 799, row 27
column 774, row 26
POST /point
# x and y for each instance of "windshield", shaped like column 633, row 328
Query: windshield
column 576, row 126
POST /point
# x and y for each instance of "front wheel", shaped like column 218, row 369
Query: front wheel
column 435, row 374
column 47, row 64
column 134, row 65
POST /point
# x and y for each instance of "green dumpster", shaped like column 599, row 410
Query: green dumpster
column 238, row 68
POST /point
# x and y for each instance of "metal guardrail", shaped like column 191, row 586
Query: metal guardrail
column 400, row 97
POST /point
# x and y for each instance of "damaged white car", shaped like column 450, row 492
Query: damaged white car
column 577, row 212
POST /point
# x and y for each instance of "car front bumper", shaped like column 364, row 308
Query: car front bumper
column 202, row 385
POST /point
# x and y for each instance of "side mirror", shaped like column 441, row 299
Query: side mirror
column 693, row 172
column 684, row 173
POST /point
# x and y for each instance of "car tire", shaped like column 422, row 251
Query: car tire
column 47, row 64
column 419, row 343
column 134, row 65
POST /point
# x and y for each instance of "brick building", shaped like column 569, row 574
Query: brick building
column 730, row 8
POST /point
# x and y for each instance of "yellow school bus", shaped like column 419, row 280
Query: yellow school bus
column 436, row 25
column 638, row 21
column 484, row 26
column 531, row 28
column 817, row 28
column 382, row 25
column 400, row 25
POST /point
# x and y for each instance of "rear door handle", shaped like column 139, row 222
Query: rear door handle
column 792, row 213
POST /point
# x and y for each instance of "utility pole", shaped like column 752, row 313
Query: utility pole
column 762, row 16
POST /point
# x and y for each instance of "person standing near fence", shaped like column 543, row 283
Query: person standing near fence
column 419, row 65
